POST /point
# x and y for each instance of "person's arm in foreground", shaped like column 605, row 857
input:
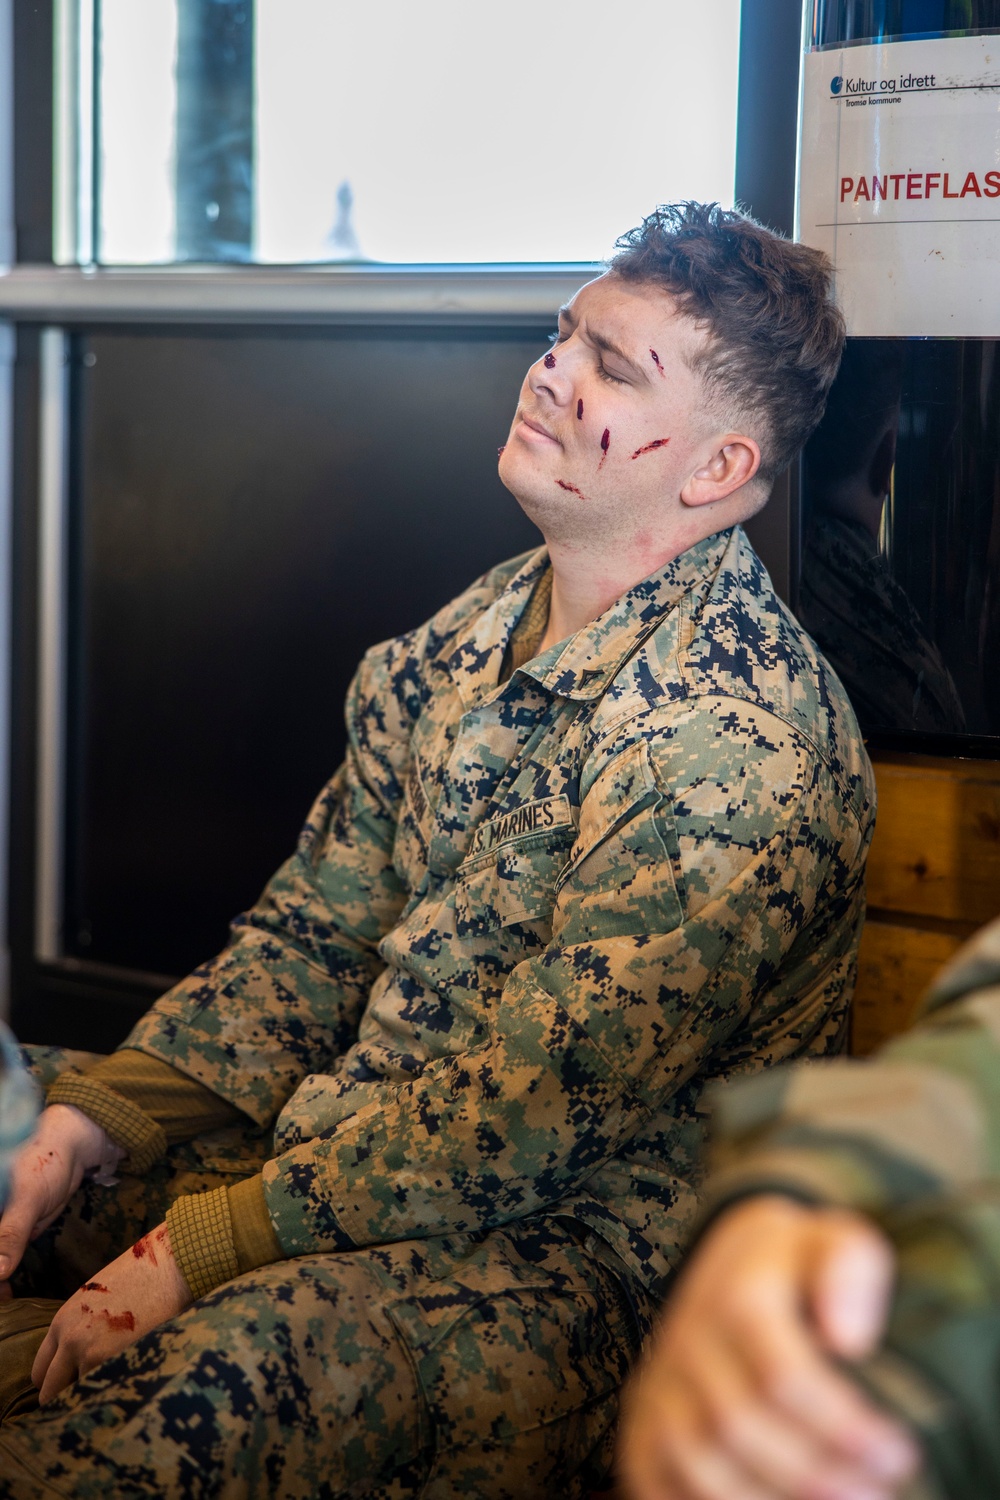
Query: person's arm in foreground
column 828, row 1176
column 738, row 1396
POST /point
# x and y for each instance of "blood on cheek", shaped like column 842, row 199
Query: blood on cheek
column 605, row 445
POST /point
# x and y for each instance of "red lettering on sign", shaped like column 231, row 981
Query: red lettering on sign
column 918, row 185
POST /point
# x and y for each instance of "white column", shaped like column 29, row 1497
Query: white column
column 7, row 345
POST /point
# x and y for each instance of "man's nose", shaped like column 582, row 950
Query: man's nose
column 553, row 376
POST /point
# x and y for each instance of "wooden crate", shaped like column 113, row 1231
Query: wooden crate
column 933, row 878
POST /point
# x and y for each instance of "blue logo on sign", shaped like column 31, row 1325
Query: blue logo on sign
column 836, row 84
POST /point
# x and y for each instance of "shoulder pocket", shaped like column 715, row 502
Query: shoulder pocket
column 624, row 876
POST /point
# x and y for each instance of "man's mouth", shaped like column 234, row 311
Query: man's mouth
column 533, row 425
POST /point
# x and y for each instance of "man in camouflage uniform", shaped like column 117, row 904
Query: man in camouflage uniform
column 411, row 1160
column 833, row 1180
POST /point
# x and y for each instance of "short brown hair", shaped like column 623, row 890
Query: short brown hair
column 775, row 332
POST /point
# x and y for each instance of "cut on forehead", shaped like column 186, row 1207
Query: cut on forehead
column 667, row 323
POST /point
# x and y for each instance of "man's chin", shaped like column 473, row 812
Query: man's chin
column 521, row 479
column 517, row 473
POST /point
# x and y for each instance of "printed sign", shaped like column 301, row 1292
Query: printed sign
column 899, row 182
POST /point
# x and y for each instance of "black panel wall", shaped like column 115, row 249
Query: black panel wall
column 251, row 510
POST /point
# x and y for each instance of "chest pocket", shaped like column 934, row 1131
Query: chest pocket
column 514, row 867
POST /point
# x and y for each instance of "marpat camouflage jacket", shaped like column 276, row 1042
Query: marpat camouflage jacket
column 526, row 922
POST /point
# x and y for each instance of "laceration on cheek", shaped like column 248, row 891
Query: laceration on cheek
column 549, row 361
column 93, row 1286
column 579, row 410
column 649, row 447
column 571, row 487
column 605, row 445
column 656, row 361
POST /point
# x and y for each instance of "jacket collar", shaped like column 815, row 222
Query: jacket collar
column 474, row 664
column 584, row 665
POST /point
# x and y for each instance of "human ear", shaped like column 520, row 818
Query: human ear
column 733, row 464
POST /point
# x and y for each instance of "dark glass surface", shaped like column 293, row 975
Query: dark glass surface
column 253, row 512
column 900, row 565
column 901, row 535
column 836, row 21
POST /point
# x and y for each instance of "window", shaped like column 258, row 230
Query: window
column 291, row 131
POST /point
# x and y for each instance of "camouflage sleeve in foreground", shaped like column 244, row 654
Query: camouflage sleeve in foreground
column 640, row 989
column 285, row 997
column 921, row 1119
column 913, row 1138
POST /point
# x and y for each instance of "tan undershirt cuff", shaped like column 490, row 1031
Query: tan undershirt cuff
column 141, row 1138
column 201, row 1237
column 221, row 1234
column 183, row 1107
column 254, row 1239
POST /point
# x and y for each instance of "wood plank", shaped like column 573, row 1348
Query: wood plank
column 936, row 851
column 896, row 964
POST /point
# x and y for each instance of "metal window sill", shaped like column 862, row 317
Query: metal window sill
column 419, row 295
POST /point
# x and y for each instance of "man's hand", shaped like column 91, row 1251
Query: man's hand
column 137, row 1292
column 737, row 1397
column 45, row 1175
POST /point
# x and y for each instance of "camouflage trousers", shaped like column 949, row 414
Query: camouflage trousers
column 451, row 1366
